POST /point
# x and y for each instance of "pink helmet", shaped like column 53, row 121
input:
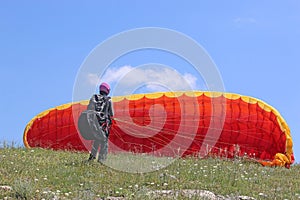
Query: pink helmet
column 104, row 87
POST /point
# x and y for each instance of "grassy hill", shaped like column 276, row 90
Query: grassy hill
column 45, row 174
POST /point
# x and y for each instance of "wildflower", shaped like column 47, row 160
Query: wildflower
column 173, row 177
column 262, row 194
column 5, row 187
column 165, row 184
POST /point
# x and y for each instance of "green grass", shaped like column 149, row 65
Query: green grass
column 39, row 173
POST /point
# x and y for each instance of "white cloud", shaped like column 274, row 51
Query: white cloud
column 192, row 80
column 110, row 76
column 150, row 78
column 93, row 79
column 115, row 74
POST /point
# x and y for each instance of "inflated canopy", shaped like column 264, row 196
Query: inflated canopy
column 176, row 124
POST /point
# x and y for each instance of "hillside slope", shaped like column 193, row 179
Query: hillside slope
column 39, row 173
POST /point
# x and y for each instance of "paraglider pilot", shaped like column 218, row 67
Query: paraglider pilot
column 102, row 104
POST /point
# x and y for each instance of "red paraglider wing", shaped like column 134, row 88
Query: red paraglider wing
column 176, row 123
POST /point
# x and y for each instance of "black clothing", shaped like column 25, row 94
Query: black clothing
column 104, row 115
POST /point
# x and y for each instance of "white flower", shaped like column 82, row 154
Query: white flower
column 262, row 194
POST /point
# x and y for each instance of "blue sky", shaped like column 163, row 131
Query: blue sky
column 254, row 44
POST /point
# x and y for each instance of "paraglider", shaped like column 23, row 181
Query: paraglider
column 176, row 124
